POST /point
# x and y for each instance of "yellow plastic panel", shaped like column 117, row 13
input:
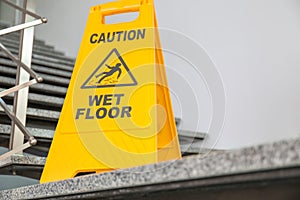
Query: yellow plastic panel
column 117, row 112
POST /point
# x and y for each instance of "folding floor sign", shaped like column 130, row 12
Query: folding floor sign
column 117, row 112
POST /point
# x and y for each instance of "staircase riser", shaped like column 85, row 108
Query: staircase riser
column 7, row 40
column 16, row 36
column 36, row 49
column 38, row 88
column 45, row 63
column 11, row 72
column 47, row 57
column 46, row 70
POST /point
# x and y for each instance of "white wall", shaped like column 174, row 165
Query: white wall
column 254, row 44
column 66, row 23
column 7, row 14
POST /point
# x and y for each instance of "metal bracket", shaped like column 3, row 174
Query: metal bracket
column 20, row 63
column 17, row 88
column 16, row 150
column 21, row 26
column 13, row 117
column 31, row 140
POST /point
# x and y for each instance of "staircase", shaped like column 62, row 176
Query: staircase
column 44, row 104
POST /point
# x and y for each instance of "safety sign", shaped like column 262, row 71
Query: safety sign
column 117, row 112
column 110, row 76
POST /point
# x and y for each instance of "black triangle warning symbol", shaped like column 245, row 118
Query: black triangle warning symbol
column 112, row 72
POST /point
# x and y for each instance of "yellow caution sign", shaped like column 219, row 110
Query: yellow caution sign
column 117, row 112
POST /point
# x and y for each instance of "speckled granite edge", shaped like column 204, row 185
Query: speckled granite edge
column 263, row 157
column 23, row 160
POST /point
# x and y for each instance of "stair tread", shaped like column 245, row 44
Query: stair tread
column 46, row 77
column 38, row 68
column 23, row 165
column 36, row 132
column 41, row 99
column 41, row 87
column 42, row 51
column 16, row 36
column 192, row 134
column 41, row 113
column 47, row 57
column 55, row 65
column 11, row 41
column 23, row 160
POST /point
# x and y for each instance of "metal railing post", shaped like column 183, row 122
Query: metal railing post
column 23, row 75
column 21, row 96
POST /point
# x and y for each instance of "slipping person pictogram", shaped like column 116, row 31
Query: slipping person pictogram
column 111, row 72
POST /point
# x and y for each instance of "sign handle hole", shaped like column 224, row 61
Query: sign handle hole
column 120, row 18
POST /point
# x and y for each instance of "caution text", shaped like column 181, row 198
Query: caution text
column 118, row 36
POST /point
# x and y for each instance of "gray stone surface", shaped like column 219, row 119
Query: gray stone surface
column 44, row 99
column 54, row 58
column 192, row 147
column 9, row 43
column 41, row 53
column 191, row 142
column 16, row 36
column 41, row 87
column 36, row 132
column 41, row 99
column 192, row 134
column 22, row 160
column 42, row 114
column 46, row 77
column 23, row 165
column 13, row 41
column 38, row 69
column 58, row 65
column 268, row 157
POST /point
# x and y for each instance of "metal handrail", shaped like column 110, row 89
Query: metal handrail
column 36, row 78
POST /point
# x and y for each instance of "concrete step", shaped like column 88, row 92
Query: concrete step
column 44, row 137
column 268, row 171
column 41, row 88
column 54, row 59
column 37, row 61
column 191, row 142
column 41, row 51
column 36, row 49
column 16, row 36
column 38, row 68
column 192, row 134
column 23, row 165
column 39, row 100
column 49, row 79
column 36, row 132
column 41, row 114
column 6, row 41
column 47, row 56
